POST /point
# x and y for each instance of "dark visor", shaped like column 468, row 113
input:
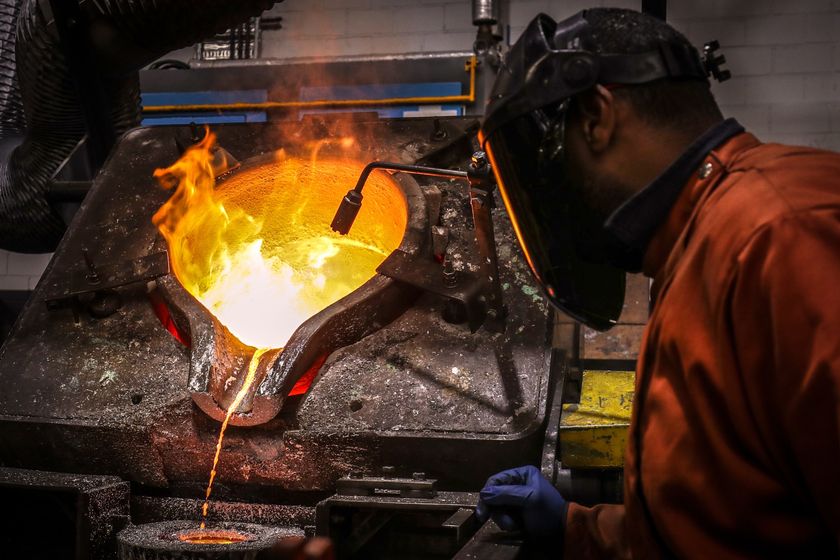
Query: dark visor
column 543, row 219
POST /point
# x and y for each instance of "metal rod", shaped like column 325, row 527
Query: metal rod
column 485, row 12
column 481, row 204
column 247, row 49
column 413, row 169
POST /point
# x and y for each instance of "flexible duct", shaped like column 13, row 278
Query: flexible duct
column 11, row 111
column 125, row 35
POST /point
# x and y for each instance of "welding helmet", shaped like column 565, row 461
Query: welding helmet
column 523, row 134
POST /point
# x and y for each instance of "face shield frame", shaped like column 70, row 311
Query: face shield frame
column 523, row 135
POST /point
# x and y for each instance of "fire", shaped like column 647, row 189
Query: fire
column 257, row 250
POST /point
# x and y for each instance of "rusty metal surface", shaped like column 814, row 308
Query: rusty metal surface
column 111, row 395
column 593, row 432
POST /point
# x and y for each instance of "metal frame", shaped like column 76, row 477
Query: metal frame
column 260, row 74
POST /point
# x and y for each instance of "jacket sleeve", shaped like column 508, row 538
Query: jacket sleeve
column 785, row 316
column 596, row 532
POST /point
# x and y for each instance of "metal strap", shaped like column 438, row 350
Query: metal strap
column 669, row 61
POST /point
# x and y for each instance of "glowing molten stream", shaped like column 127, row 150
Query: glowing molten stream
column 257, row 249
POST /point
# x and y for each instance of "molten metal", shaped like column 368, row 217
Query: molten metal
column 246, row 385
column 258, row 252
column 212, row 536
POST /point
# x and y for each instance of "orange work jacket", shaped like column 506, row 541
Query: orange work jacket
column 734, row 444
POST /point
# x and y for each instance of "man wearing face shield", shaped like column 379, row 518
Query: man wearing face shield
column 612, row 156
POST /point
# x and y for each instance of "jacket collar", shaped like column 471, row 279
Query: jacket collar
column 706, row 176
column 632, row 226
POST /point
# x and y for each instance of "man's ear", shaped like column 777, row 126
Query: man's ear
column 597, row 117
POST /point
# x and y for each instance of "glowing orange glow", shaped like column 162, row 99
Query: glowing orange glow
column 249, row 380
column 258, row 252
column 315, row 146
column 212, row 536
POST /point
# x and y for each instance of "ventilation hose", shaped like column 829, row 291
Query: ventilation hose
column 125, row 36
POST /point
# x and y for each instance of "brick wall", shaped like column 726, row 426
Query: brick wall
column 784, row 56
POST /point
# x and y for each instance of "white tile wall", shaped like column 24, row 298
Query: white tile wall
column 784, row 56
column 19, row 271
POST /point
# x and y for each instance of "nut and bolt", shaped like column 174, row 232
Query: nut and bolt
column 478, row 159
column 439, row 132
column 450, row 277
column 92, row 276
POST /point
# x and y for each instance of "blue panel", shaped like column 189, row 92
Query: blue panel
column 203, row 118
column 203, row 97
column 393, row 112
column 380, row 91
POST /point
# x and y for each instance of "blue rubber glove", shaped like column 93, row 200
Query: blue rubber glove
column 522, row 499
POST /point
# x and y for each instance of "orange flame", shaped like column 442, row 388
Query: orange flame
column 258, row 252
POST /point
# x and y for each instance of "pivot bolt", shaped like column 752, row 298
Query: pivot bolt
column 450, row 277
column 479, row 159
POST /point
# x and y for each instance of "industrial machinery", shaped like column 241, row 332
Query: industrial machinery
column 383, row 415
column 385, row 411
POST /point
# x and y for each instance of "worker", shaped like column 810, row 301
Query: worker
column 612, row 155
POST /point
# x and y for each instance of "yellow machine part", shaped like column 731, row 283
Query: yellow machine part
column 593, row 433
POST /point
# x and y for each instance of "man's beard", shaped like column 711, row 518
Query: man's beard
column 593, row 199
column 599, row 195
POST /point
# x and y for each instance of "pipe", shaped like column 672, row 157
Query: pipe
column 124, row 36
column 485, row 12
column 352, row 201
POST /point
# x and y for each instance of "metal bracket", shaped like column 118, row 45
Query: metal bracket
column 427, row 275
column 416, row 487
column 713, row 62
column 356, row 518
column 450, row 141
column 482, row 185
column 103, row 279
